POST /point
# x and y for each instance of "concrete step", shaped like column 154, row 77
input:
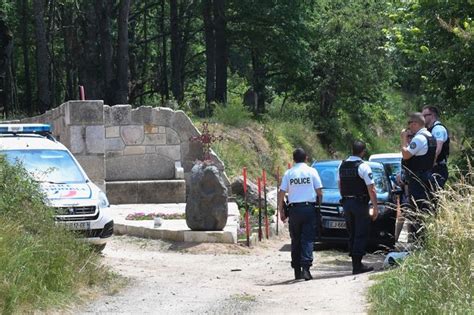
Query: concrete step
column 146, row 191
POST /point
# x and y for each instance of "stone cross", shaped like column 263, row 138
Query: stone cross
column 206, row 139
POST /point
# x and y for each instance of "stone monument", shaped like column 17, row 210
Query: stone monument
column 206, row 206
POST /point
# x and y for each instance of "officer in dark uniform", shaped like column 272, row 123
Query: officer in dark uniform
column 303, row 185
column 440, row 132
column 357, row 187
column 418, row 160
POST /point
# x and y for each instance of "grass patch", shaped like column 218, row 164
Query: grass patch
column 41, row 264
column 438, row 278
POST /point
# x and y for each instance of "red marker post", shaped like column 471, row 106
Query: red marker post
column 264, row 178
column 247, row 223
column 259, row 209
column 82, row 93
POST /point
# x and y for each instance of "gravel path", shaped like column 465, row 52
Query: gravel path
column 166, row 278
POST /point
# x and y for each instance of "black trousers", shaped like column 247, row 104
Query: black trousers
column 357, row 216
column 440, row 175
column 420, row 189
column 302, row 223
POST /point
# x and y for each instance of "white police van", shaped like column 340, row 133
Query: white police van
column 78, row 202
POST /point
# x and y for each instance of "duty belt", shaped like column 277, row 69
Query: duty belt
column 306, row 203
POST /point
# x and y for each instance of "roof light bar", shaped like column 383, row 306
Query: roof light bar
column 24, row 128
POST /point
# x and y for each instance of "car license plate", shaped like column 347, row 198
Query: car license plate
column 335, row 224
column 78, row 225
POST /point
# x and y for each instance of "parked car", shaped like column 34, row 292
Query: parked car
column 392, row 161
column 78, row 202
column 333, row 224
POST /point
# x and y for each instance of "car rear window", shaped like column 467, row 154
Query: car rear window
column 54, row 166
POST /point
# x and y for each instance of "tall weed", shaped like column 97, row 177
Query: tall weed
column 233, row 114
column 41, row 264
column 436, row 279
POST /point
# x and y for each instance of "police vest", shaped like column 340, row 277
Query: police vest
column 421, row 163
column 443, row 156
column 351, row 183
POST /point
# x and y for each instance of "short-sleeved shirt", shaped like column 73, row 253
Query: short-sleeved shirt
column 439, row 132
column 419, row 143
column 301, row 182
column 364, row 170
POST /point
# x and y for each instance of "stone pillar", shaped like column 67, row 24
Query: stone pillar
column 84, row 135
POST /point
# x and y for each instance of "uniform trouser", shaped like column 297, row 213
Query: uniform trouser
column 357, row 216
column 420, row 194
column 302, row 223
column 440, row 174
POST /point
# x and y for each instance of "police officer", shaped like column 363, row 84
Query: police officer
column 440, row 132
column 303, row 185
column 418, row 159
column 357, row 187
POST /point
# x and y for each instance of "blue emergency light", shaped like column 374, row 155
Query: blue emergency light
column 25, row 128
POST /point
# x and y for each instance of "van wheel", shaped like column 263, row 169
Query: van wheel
column 99, row 248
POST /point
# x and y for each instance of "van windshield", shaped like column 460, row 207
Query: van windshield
column 53, row 166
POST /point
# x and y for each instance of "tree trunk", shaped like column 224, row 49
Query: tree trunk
column 42, row 58
column 103, row 10
column 68, row 40
column 259, row 82
column 221, row 51
column 163, row 73
column 122, row 53
column 176, row 75
column 210, row 50
column 26, row 58
column 89, row 62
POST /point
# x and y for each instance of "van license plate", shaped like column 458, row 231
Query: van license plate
column 336, row 224
column 78, row 225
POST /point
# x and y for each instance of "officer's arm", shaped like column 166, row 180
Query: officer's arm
column 281, row 198
column 404, row 144
column 439, row 147
column 405, row 153
column 373, row 199
column 319, row 193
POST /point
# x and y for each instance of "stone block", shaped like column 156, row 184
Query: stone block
column 121, row 115
column 161, row 129
column 171, row 151
column 112, row 132
column 160, row 191
column 178, row 170
column 181, row 123
column 114, row 144
column 112, row 154
column 150, row 149
column 155, row 139
column 122, row 192
column 145, row 167
column 151, row 129
column 85, row 112
column 95, row 136
column 162, row 116
column 77, row 143
column 132, row 135
column 142, row 115
column 93, row 165
column 172, row 137
column 134, row 150
column 107, row 115
column 209, row 237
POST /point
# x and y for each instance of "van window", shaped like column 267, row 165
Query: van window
column 55, row 166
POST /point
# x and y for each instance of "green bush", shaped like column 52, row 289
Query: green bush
column 41, row 264
column 233, row 114
column 438, row 278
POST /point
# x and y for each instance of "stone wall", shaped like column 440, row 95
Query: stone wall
column 118, row 145
column 79, row 125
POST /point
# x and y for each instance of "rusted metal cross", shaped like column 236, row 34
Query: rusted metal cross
column 206, row 139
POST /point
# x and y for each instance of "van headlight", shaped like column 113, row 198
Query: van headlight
column 103, row 201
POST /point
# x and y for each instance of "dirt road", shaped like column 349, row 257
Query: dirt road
column 170, row 278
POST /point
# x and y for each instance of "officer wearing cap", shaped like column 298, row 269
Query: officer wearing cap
column 357, row 187
column 440, row 132
column 303, row 185
column 418, row 159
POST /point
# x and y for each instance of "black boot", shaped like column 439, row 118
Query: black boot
column 357, row 265
column 298, row 273
column 306, row 274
